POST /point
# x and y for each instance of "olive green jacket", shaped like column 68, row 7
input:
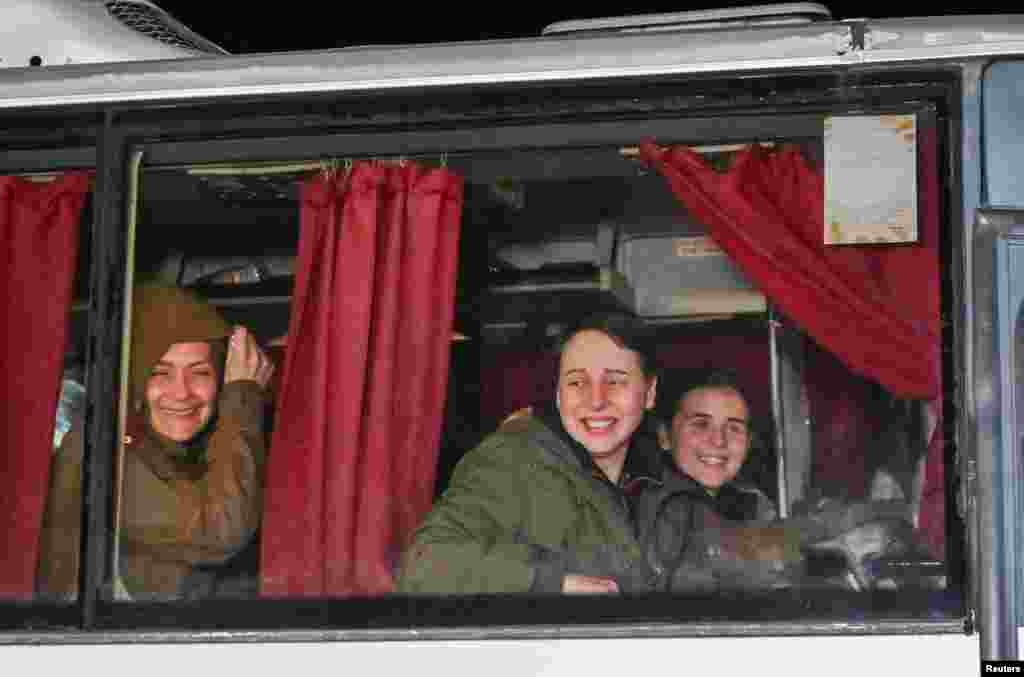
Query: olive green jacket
column 524, row 509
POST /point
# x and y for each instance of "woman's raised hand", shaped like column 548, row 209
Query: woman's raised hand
column 246, row 360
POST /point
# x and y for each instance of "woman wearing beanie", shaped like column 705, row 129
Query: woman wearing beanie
column 193, row 454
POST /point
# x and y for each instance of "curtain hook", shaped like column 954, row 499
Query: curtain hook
column 331, row 167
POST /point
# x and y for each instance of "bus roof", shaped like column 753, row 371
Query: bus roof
column 556, row 58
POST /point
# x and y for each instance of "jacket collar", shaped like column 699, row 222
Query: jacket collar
column 166, row 458
column 642, row 468
column 733, row 501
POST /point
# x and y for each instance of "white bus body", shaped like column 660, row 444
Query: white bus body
column 123, row 71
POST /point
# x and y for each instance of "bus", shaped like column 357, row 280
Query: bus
column 830, row 208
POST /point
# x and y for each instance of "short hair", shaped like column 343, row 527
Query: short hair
column 675, row 384
column 624, row 330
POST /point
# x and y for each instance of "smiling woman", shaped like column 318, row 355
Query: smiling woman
column 604, row 388
column 177, row 359
column 180, row 393
column 709, row 433
column 193, row 453
column 541, row 505
column 182, row 389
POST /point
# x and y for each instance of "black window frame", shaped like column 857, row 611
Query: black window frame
column 715, row 108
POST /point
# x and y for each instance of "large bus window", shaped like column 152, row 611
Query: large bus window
column 412, row 308
column 858, row 450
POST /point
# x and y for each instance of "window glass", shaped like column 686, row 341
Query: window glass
column 425, row 436
column 862, row 449
column 1002, row 144
column 213, row 277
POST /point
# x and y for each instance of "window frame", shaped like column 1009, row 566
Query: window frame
column 199, row 133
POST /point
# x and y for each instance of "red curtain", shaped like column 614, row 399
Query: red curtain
column 875, row 307
column 39, row 232
column 932, row 512
column 351, row 468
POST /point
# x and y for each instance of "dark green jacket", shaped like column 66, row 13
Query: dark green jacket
column 525, row 508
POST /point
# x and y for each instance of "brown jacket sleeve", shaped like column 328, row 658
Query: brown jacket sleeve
column 60, row 536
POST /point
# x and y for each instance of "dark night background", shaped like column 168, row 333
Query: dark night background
column 269, row 27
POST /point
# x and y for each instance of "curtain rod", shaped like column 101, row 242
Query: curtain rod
column 258, row 168
column 49, row 177
column 255, row 169
column 633, row 151
column 43, row 177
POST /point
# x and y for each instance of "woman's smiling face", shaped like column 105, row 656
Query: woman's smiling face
column 181, row 391
column 602, row 394
column 711, row 435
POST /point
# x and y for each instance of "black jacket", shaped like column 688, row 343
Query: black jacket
column 702, row 543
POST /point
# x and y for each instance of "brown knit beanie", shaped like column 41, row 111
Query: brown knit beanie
column 162, row 316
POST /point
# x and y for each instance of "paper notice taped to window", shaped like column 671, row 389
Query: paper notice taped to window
column 870, row 179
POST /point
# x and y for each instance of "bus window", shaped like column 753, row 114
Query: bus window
column 1002, row 143
column 213, row 278
column 862, row 451
column 323, row 477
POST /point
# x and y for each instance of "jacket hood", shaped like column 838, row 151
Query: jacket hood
column 642, row 463
column 161, row 317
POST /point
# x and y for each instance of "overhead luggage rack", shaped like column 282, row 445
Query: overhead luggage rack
column 557, row 292
column 684, row 277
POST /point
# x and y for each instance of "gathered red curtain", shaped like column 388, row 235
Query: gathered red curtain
column 39, row 232
column 352, row 462
column 874, row 307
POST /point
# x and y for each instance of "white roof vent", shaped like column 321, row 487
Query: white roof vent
column 148, row 19
column 786, row 14
column 59, row 32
